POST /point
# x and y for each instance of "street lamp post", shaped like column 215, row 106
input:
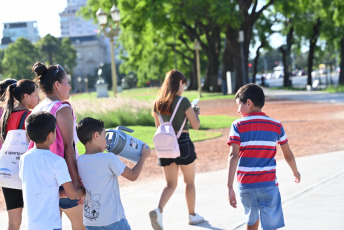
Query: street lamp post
column 86, row 84
column 197, row 47
column 110, row 33
column 241, row 41
column 79, row 84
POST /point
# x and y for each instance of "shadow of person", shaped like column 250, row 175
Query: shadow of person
column 207, row 225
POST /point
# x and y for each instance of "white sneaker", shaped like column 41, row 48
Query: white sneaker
column 196, row 219
column 156, row 219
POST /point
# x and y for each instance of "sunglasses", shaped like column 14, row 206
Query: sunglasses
column 58, row 69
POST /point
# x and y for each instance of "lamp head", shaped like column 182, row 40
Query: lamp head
column 102, row 17
column 116, row 17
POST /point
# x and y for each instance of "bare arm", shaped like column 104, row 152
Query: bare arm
column 233, row 159
column 156, row 119
column 65, row 122
column 289, row 157
column 72, row 192
column 133, row 174
column 192, row 118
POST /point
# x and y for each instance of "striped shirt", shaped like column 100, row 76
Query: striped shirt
column 257, row 135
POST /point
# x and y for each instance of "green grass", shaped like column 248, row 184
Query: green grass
column 216, row 122
column 146, row 133
column 122, row 116
column 288, row 88
column 333, row 89
column 149, row 94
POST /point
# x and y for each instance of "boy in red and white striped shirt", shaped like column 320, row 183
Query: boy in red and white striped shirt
column 253, row 140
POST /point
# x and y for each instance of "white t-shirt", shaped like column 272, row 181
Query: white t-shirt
column 47, row 105
column 42, row 172
column 99, row 172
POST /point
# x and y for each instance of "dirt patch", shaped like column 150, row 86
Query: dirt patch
column 311, row 128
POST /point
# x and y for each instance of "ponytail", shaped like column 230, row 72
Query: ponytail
column 14, row 93
column 8, row 109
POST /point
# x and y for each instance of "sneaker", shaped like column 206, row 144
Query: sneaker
column 196, row 219
column 156, row 219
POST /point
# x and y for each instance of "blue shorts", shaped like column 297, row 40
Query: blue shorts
column 263, row 202
column 120, row 225
column 66, row 203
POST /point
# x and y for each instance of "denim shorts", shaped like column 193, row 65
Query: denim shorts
column 187, row 152
column 263, row 202
column 120, row 225
column 66, row 203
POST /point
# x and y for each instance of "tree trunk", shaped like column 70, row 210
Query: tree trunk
column 255, row 62
column 341, row 74
column 312, row 45
column 286, row 50
column 231, row 59
column 193, row 76
column 211, row 80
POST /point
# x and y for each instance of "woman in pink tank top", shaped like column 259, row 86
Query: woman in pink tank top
column 54, row 82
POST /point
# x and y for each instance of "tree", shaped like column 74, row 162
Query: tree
column 66, row 55
column 49, row 47
column 19, row 58
column 246, row 14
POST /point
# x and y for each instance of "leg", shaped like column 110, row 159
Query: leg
column 75, row 216
column 14, row 218
column 171, row 176
column 253, row 227
column 189, row 179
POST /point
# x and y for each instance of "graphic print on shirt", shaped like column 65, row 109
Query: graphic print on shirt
column 92, row 205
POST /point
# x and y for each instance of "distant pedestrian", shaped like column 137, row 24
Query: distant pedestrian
column 253, row 139
column 168, row 96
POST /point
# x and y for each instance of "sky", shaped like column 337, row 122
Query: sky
column 45, row 12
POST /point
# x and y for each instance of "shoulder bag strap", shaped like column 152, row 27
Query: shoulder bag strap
column 22, row 119
column 174, row 113
column 56, row 106
column 175, row 109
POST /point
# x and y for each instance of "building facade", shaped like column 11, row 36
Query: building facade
column 14, row 30
column 92, row 47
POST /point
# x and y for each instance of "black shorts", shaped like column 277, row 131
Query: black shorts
column 13, row 198
column 187, row 152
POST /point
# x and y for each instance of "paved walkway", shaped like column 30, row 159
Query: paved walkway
column 315, row 204
column 302, row 95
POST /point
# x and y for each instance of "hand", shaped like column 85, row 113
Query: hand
column 196, row 109
column 297, row 177
column 146, row 151
column 81, row 200
column 232, row 198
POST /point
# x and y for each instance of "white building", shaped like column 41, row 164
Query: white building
column 92, row 48
column 73, row 25
column 14, row 30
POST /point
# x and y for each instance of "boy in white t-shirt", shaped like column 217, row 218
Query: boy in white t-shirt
column 42, row 172
column 99, row 171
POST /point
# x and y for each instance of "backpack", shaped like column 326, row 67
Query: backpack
column 57, row 147
column 14, row 146
column 165, row 138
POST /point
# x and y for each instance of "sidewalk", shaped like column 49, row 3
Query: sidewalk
column 316, row 203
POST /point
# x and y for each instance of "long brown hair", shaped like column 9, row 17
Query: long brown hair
column 168, row 91
column 14, row 92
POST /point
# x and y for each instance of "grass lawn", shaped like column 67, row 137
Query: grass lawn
column 149, row 94
column 146, row 133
